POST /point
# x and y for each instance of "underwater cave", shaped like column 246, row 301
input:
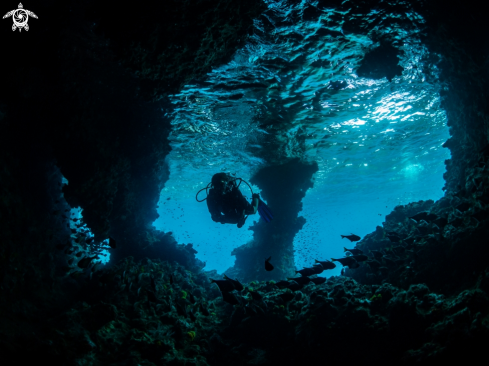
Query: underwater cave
column 350, row 211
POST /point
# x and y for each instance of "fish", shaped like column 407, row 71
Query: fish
column 224, row 285
column 237, row 285
column 319, row 280
column 353, row 251
column 351, row 237
column 354, row 265
column 282, row 284
column 268, row 266
column 229, row 298
column 360, row 257
column 318, row 268
column 112, row 242
column 300, row 280
column 345, row 261
column 326, row 264
column 85, row 262
column 287, row 296
column 343, row 271
column 419, row 216
column 306, row 272
column 294, row 286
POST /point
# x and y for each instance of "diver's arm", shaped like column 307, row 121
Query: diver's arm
column 251, row 209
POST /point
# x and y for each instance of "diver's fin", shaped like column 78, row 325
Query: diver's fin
column 264, row 211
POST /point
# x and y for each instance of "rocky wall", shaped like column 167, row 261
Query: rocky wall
column 283, row 188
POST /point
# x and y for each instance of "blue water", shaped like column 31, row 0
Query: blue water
column 377, row 142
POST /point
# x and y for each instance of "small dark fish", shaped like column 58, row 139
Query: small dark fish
column 256, row 295
column 268, row 266
column 420, row 216
column 204, row 310
column 345, row 261
column 306, row 272
column 353, row 251
column 229, row 298
column 294, row 286
column 318, row 269
column 326, row 264
column 237, row 285
column 360, row 257
column 224, row 285
column 151, row 296
column 287, row 296
column 343, row 271
column 112, row 242
column 354, row 265
column 351, row 237
column 300, row 280
column 319, row 280
column 171, row 279
column 282, row 284
column 85, row 262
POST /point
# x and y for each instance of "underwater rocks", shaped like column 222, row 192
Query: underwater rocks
column 283, row 186
column 175, row 42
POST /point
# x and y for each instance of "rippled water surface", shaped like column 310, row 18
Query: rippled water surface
column 294, row 91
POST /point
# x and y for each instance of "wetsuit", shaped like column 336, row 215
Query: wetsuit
column 231, row 204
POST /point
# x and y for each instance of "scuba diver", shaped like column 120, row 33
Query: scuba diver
column 226, row 203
